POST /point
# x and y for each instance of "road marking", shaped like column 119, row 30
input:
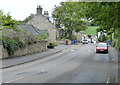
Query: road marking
column 89, row 50
column 72, row 50
column 14, row 80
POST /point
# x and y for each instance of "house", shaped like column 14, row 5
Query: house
column 29, row 29
column 42, row 22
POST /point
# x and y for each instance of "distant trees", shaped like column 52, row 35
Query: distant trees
column 104, row 14
column 26, row 19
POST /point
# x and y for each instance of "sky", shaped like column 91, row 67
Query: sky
column 20, row 9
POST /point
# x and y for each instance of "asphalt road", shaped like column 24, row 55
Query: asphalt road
column 79, row 64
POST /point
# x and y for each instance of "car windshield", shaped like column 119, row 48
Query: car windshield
column 101, row 45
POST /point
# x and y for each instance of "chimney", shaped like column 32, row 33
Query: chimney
column 39, row 10
column 46, row 14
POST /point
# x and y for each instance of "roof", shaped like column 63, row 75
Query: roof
column 28, row 28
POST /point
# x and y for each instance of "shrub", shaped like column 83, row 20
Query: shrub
column 113, row 43
column 102, row 38
column 117, row 44
column 12, row 44
column 42, row 36
column 54, row 44
column 13, row 40
column 73, row 37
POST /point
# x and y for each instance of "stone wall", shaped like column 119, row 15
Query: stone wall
column 29, row 49
column 64, row 42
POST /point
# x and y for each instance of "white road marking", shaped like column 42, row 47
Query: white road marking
column 72, row 50
column 89, row 50
column 14, row 80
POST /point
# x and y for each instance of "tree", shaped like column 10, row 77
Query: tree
column 26, row 19
column 7, row 22
column 68, row 16
column 106, row 15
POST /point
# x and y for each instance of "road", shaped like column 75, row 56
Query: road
column 78, row 64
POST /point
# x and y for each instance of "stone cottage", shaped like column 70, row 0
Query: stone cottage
column 29, row 29
column 42, row 22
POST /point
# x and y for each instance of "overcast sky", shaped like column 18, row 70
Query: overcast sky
column 20, row 9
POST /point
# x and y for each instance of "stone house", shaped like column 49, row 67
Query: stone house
column 42, row 22
column 29, row 29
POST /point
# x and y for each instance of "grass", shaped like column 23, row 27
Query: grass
column 91, row 30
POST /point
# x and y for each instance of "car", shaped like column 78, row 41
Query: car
column 102, row 47
column 85, row 41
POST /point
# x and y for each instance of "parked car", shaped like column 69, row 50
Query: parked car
column 85, row 41
column 102, row 47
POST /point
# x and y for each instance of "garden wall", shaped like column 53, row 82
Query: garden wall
column 64, row 42
column 29, row 49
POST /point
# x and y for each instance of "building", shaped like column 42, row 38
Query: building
column 42, row 22
column 29, row 29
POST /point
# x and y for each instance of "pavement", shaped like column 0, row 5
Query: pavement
column 6, row 63
column 113, row 66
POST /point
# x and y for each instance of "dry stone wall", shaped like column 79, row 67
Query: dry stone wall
column 29, row 49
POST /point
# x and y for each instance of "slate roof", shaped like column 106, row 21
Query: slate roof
column 28, row 28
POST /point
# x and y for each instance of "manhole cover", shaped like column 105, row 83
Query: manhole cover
column 32, row 73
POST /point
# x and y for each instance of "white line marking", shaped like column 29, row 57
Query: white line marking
column 14, row 80
column 72, row 50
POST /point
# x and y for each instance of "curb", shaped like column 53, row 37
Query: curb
column 33, row 59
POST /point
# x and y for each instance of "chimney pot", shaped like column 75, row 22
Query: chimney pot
column 46, row 14
column 39, row 10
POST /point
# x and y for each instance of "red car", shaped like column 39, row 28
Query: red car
column 102, row 47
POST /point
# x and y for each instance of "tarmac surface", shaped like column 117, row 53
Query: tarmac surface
column 6, row 63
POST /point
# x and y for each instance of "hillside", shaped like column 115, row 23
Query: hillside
column 91, row 30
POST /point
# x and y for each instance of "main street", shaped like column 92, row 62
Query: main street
column 77, row 64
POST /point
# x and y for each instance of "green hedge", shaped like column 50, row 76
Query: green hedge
column 12, row 44
column 54, row 44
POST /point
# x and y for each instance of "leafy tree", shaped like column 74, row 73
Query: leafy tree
column 68, row 16
column 26, row 19
column 106, row 15
column 7, row 22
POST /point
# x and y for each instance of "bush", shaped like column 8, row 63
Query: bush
column 42, row 36
column 13, row 40
column 102, row 38
column 73, row 37
column 12, row 44
column 113, row 43
column 54, row 44
column 117, row 45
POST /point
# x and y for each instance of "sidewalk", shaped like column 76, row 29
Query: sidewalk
column 6, row 63
column 113, row 66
